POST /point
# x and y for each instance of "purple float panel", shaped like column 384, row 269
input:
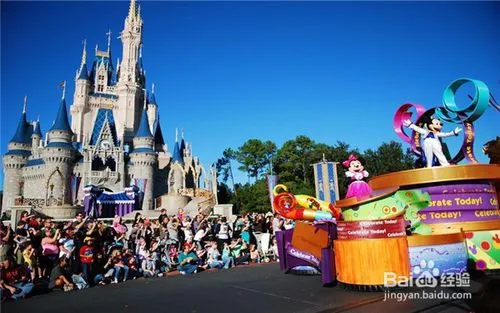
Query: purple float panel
column 461, row 203
column 327, row 266
column 290, row 257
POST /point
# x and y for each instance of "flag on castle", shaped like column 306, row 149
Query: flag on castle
column 75, row 185
column 141, row 183
column 326, row 181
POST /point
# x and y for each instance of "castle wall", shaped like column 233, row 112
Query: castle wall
column 34, row 182
column 12, row 176
column 144, row 168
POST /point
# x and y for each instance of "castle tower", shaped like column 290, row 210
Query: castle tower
column 176, row 175
column 19, row 150
column 36, row 138
column 152, row 110
column 58, row 156
column 130, row 84
column 80, row 97
column 144, row 160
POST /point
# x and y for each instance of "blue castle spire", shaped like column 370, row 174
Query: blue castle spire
column 177, row 156
column 143, row 130
column 158, row 134
column 23, row 132
column 36, row 129
column 152, row 99
column 61, row 122
column 83, row 73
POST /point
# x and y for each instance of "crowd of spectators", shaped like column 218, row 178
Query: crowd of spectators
column 41, row 255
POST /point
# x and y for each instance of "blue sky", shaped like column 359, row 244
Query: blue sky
column 268, row 70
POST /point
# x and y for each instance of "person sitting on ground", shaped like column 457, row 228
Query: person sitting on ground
column 14, row 279
column 98, row 269
column 239, row 251
column 255, row 255
column 213, row 256
column 60, row 277
column 187, row 261
column 227, row 257
column 149, row 267
column 119, row 266
column 131, row 261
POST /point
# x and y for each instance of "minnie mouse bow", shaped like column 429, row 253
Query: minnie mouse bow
column 351, row 158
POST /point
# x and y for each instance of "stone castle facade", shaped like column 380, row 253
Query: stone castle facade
column 114, row 139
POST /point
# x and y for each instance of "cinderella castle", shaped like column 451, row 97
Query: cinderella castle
column 113, row 144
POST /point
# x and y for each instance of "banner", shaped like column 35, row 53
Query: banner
column 326, row 182
column 141, row 183
column 272, row 181
column 75, row 185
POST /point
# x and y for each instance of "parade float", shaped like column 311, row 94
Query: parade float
column 438, row 219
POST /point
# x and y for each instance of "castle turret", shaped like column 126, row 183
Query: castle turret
column 144, row 159
column 58, row 156
column 152, row 110
column 80, row 98
column 14, row 160
column 177, row 154
column 36, row 138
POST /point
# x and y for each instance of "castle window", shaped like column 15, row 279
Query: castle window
column 100, row 88
column 101, row 77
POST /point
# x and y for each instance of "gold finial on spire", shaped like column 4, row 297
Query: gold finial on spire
column 132, row 10
column 24, row 103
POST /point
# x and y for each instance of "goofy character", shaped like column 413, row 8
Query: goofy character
column 432, row 133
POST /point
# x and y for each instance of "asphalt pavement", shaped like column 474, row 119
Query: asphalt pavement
column 248, row 289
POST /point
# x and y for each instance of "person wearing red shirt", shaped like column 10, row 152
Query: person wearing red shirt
column 87, row 259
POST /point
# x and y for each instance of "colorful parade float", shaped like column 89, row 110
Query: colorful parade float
column 438, row 219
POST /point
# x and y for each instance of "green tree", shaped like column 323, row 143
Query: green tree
column 224, row 168
column 389, row 157
column 254, row 156
column 294, row 159
column 252, row 197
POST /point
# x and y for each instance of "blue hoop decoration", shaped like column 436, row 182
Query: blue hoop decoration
column 450, row 111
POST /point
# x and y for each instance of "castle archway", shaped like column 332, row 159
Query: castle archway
column 55, row 188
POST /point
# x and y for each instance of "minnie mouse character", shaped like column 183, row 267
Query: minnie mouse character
column 432, row 145
column 356, row 172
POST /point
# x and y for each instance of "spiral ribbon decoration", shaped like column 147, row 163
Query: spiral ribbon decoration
column 403, row 114
column 449, row 112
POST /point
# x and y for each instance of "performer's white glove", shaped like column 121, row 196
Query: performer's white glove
column 406, row 123
column 457, row 130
